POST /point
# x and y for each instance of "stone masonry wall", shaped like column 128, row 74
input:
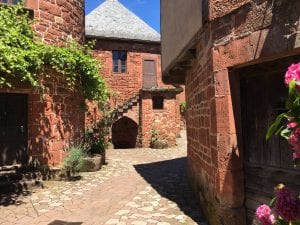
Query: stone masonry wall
column 56, row 117
column 55, row 120
column 125, row 86
column 164, row 121
column 128, row 84
column 238, row 33
column 56, row 20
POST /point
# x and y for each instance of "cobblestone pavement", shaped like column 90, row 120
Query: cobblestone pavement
column 138, row 187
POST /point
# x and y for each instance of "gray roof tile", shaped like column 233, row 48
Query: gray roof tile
column 113, row 20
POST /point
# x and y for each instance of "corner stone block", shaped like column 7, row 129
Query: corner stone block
column 222, row 83
column 224, row 115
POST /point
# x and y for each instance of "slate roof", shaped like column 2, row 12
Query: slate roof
column 113, row 20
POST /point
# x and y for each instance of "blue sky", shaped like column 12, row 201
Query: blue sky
column 147, row 10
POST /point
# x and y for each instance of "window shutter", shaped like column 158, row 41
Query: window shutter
column 149, row 71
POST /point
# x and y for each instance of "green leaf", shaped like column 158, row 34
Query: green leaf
column 272, row 202
column 275, row 126
column 282, row 222
column 285, row 133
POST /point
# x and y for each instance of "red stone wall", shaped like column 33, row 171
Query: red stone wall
column 56, row 116
column 164, row 121
column 58, row 20
column 55, row 120
column 251, row 33
column 92, row 115
column 128, row 84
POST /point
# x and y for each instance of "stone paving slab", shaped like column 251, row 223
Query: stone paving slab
column 138, row 187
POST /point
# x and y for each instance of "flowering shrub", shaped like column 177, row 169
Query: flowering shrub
column 263, row 213
column 288, row 124
column 286, row 209
column 286, row 205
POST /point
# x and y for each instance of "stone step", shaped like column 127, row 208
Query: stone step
column 10, row 168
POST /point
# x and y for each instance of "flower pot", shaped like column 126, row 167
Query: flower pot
column 91, row 164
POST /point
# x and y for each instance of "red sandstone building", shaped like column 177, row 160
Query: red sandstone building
column 129, row 51
column 232, row 56
column 37, row 127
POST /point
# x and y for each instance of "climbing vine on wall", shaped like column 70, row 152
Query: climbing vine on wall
column 24, row 58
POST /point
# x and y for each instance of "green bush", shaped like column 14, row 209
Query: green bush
column 74, row 161
column 154, row 137
column 94, row 142
column 23, row 57
column 99, row 146
column 182, row 107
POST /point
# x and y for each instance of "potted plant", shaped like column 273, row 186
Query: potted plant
column 94, row 145
column 73, row 163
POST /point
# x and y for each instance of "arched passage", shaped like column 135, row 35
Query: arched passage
column 124, row 133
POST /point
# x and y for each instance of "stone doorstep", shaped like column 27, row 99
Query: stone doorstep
column 10, row 168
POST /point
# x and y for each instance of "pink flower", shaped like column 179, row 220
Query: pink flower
column 290, row 119
column 263, row 214
column 293, row 73
column 296, row 154
column 294, row 141
column 292, row 125
column 287, row 205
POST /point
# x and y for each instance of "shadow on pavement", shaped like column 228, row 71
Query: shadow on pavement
column 60, row 222
column 14, row 198
column 169, row 179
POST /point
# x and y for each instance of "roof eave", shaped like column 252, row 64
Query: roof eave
column 122, row 39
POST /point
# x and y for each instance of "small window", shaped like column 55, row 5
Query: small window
column 158, row 102
column 119, row 61
column 11, row 2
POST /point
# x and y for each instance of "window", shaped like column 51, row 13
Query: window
column 119, row 61
column 158, row 102
column 12, row 2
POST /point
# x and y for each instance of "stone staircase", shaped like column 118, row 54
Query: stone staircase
column 125, row 107
column 17, row 179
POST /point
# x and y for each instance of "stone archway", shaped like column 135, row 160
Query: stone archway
column 124, row 133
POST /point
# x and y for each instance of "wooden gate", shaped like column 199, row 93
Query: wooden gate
column 13, row 129
column 149, row 71
column 267, row 164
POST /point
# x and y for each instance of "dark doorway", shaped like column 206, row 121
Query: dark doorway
column 266, row 163
column 13, row 129
column 149, row 71
column 124, row 133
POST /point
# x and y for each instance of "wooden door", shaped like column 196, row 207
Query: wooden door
column 149, row 73
column 13, row 129
column 267, row 164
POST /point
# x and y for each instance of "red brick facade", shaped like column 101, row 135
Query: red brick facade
column 165, row 121
column 124, row 86
column 56, row 116
column 56, row 21
column 55, row 120
column 238, row 33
